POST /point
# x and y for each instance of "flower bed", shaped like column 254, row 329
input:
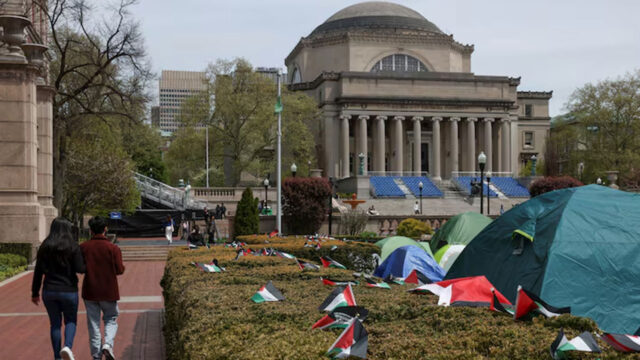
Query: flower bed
column 210, row 316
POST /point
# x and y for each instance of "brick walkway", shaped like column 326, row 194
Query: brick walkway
column 24, row 327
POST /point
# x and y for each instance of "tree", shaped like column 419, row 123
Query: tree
column 549, row 183
column 413, row 228
column 305, row 203
column 247, row 219
column 143, row 144
column 98, row 69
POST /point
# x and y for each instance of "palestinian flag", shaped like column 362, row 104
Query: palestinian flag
column 331, row 282
column 497, row 306
column 352, row 342
column 285, row 255
column 340, row 317
column 240, row 253
column 329, row 262
column 306, row 265
column 372, row 283
column 621, row 342
column 267, row 293
column 526, row 302
column 209, row 268
column 583, row 342
column 340, row 296
column 273, row 233
column 416, row 277
column 318, row 246
column 394, row 280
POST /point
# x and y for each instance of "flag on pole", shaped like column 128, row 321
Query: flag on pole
column 353, row 341
column 497, row 306
column 329, row 262
column 583, row 342
column 394, row 280
column 372, row 283
column 267, row 293
column 622, row 342
column 331, row 282
column 306, row 265
column 340, row 296
column 285, row 255
column 527, row 302
column 416, row 277
column 278, row 108
column 340, row 317
column 209, row 268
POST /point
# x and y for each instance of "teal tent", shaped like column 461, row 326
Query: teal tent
column 576, row 247
column 388, row 245
column 459, row 230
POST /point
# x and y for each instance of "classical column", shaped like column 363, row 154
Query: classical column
column 505, row 137
column 515, row 151
column 488, row 141
column 398, row 148
column 435, row 146
column 471, row 144
column 454, row 144
column 362, row 142
column 417, row 143
column 344, row 144
column 379, row 147
column 45, row 151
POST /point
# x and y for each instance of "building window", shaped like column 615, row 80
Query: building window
column 528, row 139
column 400, row 63
column 528, row 110
column 295, row 76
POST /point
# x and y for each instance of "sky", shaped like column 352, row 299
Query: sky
column 557, row 45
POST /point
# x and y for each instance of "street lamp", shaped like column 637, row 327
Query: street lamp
column 266, row 186
column 488, row 191
column 294, row 169
column 482, row 161
column 534, row 161
column 420, row 185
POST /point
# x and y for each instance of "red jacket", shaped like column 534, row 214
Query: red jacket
column 104, row 263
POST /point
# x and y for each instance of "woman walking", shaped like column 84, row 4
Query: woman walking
column 168, row 229
column 59, row 259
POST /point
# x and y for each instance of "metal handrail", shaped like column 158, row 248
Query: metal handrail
column 171, row 196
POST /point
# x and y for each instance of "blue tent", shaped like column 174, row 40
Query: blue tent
column 407, row 258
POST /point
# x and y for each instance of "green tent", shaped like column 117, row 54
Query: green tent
column 459, row 230
column 388, row 245
column 574, row 247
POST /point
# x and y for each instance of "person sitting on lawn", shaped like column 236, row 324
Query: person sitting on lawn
column 195, row 237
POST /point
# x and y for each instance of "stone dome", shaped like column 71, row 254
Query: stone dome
column 376, row 15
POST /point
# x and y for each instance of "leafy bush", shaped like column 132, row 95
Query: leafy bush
column 550, row 183
column 353, row 221
column 22, row 249
column 413, row 228
column 11, row 264
column 247, row 217
column 210, row 316
column 305, row 203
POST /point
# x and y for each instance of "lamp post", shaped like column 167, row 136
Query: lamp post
column 266, row 186
column 488, row 191
column 361, row 164
column 420, row 185
column 482, row 161
column 294, row 169
column 534, row 160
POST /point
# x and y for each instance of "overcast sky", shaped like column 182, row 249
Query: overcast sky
column 554, row 45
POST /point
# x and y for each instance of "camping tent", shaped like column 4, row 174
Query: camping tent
column 390, row 244
column 574, row 247
column 459, row 230
column 407, row 258
column 447, row 255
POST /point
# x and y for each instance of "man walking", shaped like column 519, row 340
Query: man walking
column 100, row 288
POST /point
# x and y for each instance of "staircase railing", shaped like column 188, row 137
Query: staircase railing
column 166, row 195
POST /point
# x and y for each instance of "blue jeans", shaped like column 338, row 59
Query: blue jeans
column 61, row 304
column 110, row 313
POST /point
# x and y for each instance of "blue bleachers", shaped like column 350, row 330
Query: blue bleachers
column 510, row 187
column 465, row 182
column 428, row 188
column 385, row 186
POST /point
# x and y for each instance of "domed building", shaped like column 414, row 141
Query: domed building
column 394, row 87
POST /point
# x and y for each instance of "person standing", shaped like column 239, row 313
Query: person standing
column 59, row 259
column 168, row 229
column 416, row 208
column 223, row 211
column 100, row 288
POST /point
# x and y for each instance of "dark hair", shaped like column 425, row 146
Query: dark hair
column 97, row 224
column 58, row 247
column 196, row 228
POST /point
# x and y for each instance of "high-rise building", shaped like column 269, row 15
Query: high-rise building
column 175, row 88
column 271, row 73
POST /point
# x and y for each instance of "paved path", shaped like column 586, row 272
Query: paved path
column 24, row 327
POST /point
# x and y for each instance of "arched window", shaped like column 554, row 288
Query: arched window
column 295, row 76
column 399, row 62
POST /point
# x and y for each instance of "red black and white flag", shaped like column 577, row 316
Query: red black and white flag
column 305, row 265
column 622, row 342
column 340, row 317
column 353, row 341
column 372, row 283
column 332, row 282
column 527, row 303
column 329, row 262
column 416, row 277
column 499, row 307
column 340, row 296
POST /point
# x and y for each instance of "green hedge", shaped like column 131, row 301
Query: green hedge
column 210, row 316
column 22, row 249
column 11, row 264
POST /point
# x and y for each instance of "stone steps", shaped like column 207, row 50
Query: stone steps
column 145, row 253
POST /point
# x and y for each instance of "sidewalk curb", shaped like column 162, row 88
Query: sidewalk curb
column 15, row 277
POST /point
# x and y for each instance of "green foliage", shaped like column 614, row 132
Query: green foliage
column 353, row 221
column 21, row 249
column 210, row 316
column 185, row 158
column 306, row 202
column 247, row 219
column 11, row 264
column 547, row 184
column 413, row 228
column 143, row 144
column 526, row 170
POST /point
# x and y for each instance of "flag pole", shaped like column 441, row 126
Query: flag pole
column 206, row 136
column 279, row 162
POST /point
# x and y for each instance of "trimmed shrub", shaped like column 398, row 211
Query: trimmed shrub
column 247, row 218
column 305, row 203
column 353, row 221
column 413, row 228
column 22, row 249
column 550, row 183
column 11, row 264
